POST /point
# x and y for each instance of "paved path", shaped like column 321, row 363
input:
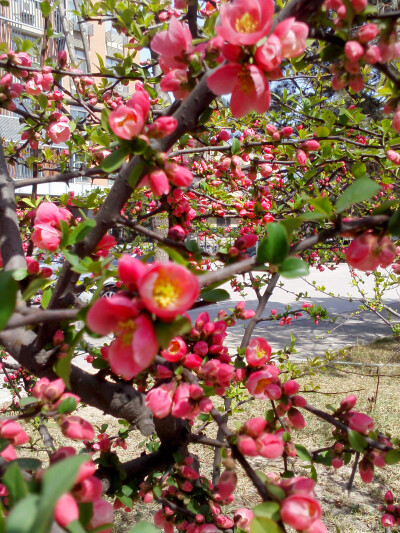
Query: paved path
column 311, row 340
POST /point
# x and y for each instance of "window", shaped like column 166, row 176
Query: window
column 78, row 113
column 81, row 59
column 109, row 24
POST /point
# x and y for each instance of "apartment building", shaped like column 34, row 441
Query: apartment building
column 23, row 19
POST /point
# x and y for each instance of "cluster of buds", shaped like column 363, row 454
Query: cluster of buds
column 86, row 489
column 16, row 436
column 302, row 153
column 391, row 512
column 181, row 208
column 8, row 91
column 276, row 135
column 160, row 178
column 241, row 245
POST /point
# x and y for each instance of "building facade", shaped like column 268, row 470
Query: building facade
column 23, row 20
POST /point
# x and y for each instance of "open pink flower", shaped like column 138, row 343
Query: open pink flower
column 258, row 381
column 299, row 511
column 173, row 44
column 159, row 400
column 157, row 181
column 269, row 446
column 126, row 122
column 59, row 131
column 11, row 430
column 103, row 513
column 292, row 35
column 268, row 56
column 245, row 21
column 176, row 350
column 66, row 510
column 136, row 345
column 367, row 252
column 248, row 85
column 168, row 289
column 46, row 237
column 258, row 352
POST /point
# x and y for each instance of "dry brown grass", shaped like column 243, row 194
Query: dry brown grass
column 354, row 513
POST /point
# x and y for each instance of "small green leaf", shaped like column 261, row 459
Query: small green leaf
column 62, row 367
column 32, row 288
column 27, row 400
column 165, row 331
column 264, row 525
column 8, row 291
column 214, row 295
column 357, row 441
column 67, row 406
column 359, row 191
column 135, row 174
column 235, row 146
column 15, row 483
column 115, row 159
column 359, row 170
column 321, row 205
column 275, row 246
column 392, row 457
column 75, row 527
column 45, row 7
column 394, row 224
column 293, row 267
column 267, row 510
column 303, row 453
column 144, row 527
column 23, row 515
column 275, row 492
column 80, row 232
column 46, row 297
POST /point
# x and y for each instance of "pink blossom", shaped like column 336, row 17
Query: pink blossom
column 245, row 21
column 269, row 446
column 104, row 245
column 301, row 157
column 74, row 427
column 388, row 520
column 159, row 400
column 296, row 418
column 13, row 432
column 311, row 145
column 247, row 83
column 367, row 252
column 255, row 426
column 66, row 510
column 176, row 350
column 368, row 32
column 290, row 387
column 103, row 513
column 366, row 470
column 292, row 35
column 359, row 422
column 59, row 131
column 359, row 5
column 130, row 270
column 168, row 289
column 247, row 445
column 316, row 527
column 175, row 81
column 88, row 490
column 258, row 352
column 178, row 175
column 242, row 518
column 227, row 483
column 46, row 237
column 348, row 403
column 268, row 56
column 258, row 381
column 353, row 50
column 162, row 127
column 157, row 181
column 174, row 44
column 299, row 511
column 126, row 122
column 140, row 100
column 8, row 454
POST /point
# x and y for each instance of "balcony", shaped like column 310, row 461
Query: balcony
column 24, row 15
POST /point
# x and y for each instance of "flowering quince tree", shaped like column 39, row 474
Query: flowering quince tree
column 298, row 160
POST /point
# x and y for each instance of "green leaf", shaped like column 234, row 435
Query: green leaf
column 303, row 453
column 75, row 527
column 27, row 400
column 359, row 170
column 80, row 232
column 267, row 510
column 67, row 406
column 34, row 286
column 45, row 7
column 264, row 525
column 394, row 224
column 56, row 481
column 275, row 492
column 115, row 159
column 15, row 483
column 293, row 267
column 23, row 515
column 144, row 527
column 357, row 441
column 322, row 131
column 62, row 367
column 165, row 331
column 42, row 100
column 135, row 174
column 359, row 191
column 392, row 457
column 28, row 463
column 275, row 246
column 8, row 291
column 46, row 297
column 321, row 204
column 214, row 295
column 235, row 146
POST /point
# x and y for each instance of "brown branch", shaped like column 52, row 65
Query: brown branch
column 91, row 172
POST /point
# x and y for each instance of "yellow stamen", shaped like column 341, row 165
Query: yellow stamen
column 165, row 292
column 260, row 353
column 246, row 24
